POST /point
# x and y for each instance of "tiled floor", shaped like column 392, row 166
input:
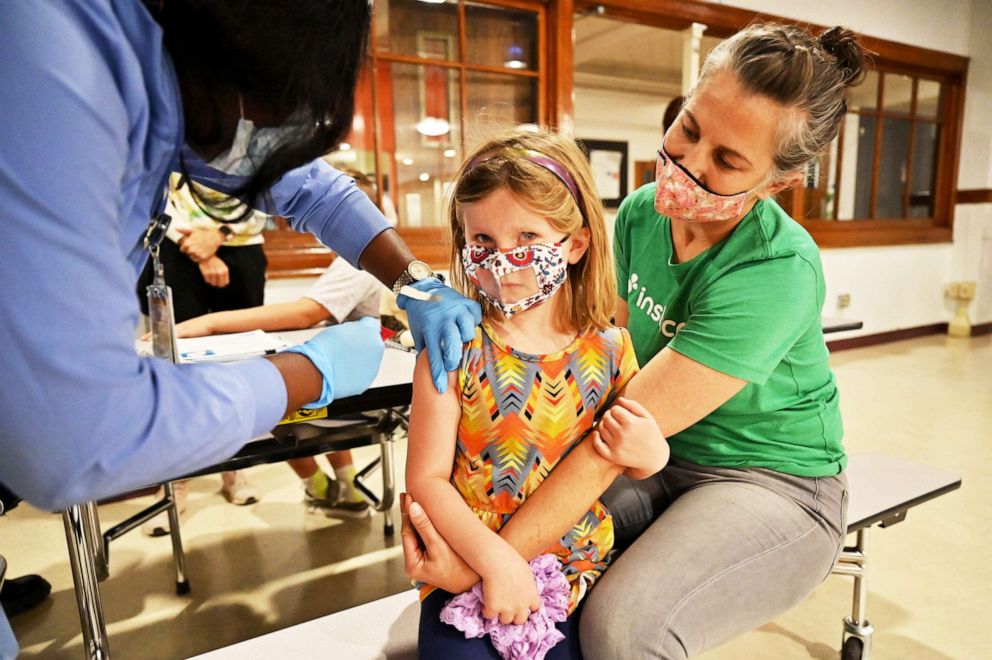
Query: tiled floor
column 270, row 565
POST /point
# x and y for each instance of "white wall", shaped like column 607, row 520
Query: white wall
column 890, row 287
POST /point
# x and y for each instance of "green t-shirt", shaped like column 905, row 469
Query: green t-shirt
column 748, row 307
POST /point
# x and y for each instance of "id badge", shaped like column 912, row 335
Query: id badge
column 163, row 322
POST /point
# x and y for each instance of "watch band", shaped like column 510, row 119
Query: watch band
column 408, row 277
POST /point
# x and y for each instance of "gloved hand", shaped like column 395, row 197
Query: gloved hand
column 441, row 324
column 347, row 355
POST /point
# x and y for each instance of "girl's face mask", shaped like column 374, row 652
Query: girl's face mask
column 680, row 196
column 538, row 271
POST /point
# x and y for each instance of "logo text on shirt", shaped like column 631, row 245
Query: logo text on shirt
column 655, row 311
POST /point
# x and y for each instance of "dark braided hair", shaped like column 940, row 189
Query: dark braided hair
column 300, row 58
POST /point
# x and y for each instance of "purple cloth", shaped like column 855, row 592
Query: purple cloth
column 530, row 640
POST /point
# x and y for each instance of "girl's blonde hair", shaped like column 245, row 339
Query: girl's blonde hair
column 587, row 299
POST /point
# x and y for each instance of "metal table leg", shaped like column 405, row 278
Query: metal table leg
column 383, row 505
column 84, row 576
column 178, row 556
column 853, row 561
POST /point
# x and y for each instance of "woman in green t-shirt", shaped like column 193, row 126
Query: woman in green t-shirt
column 722, row 293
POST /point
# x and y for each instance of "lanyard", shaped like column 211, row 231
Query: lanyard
column 160, row 312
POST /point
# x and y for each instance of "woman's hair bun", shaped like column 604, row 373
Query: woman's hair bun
column 844, row 46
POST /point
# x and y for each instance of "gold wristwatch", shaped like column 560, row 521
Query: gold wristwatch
column 415, row 272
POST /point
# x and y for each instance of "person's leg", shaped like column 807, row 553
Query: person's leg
column 159, row 525
column 23, row 593
column 734, row 549
column 345, row 472
column 189, row 289
column 329, row 495
column 246, row 267
column 237, row 489
column 439, row 640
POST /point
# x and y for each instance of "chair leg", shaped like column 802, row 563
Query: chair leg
column 857, row 635
column 178, row 556
column 87, row 588
column 91, row 524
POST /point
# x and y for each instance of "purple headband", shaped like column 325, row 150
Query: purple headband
column 536, row 157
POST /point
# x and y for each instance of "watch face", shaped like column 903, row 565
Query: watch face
column 419, row 270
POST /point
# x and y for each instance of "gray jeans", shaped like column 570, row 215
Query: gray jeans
column 713, row 553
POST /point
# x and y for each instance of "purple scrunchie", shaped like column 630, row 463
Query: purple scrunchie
column 530, row 640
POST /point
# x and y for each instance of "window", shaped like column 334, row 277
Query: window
column 442, row 77
column 884, row 164
column 890, row 175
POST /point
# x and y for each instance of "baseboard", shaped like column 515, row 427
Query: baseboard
column 886, row 337
column 980, row 329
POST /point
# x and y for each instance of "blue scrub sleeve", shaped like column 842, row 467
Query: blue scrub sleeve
column 314, row 198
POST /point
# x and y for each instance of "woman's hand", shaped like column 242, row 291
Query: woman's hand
column 509, row 592
column 215, row 272
column 200, row 244
column 629, row 436
column 427, row 555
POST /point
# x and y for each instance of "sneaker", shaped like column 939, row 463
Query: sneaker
column 336, row 504
column 236, row 488
column 21, row 594
column 159, row 525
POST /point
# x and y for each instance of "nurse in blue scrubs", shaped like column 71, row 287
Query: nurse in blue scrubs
column 100, row 100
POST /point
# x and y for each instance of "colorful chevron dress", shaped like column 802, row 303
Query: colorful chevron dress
column 521, row 414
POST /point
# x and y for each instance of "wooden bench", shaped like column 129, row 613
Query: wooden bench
column 882, row 489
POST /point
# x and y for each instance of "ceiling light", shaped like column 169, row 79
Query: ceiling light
column 449, row 153
column 515, row 58
column 424, row 176
column 433, row 127
column 407, row 161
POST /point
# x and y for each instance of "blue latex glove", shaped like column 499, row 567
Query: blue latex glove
column 348, row 356
column 441, row 325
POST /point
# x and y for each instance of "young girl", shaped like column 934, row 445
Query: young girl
column 529, row 243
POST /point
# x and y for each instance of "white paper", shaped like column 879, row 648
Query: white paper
column 223, row 348
column 605, row 167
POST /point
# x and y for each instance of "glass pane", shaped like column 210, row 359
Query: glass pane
column 417, row 28
column 898, row 93
column 925, row 143
column 865, row 95
column 892, row 169
column 927, row 98
column 821, row 184
column 496, row 103
column 862, row 148
column 501, row 37
column 420, row 130
column 356, row 152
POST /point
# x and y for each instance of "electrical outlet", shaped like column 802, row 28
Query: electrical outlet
column 961, row 290
column 843, row 300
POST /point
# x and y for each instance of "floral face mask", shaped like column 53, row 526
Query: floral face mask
column 486, row 267
column 680, row 196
